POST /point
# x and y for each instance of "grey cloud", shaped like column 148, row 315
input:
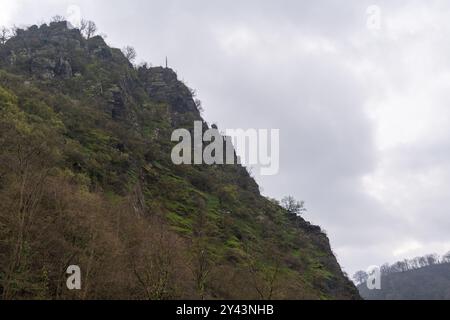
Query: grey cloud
column 295, row 67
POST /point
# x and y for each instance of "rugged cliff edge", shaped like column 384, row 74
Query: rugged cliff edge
column 86, row 179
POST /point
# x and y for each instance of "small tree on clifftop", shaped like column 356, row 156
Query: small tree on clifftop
column 129, row 53
column 292, row 206
column 88, row 28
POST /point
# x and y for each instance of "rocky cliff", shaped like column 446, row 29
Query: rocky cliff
column 86, row 179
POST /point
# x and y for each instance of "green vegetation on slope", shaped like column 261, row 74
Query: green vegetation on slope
column 86, row 179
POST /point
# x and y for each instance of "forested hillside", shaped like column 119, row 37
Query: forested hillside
column 421, row 278
column 86, row 179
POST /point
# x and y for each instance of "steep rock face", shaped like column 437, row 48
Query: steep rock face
column 163, row 85
column 26, row 50
column 109, row 126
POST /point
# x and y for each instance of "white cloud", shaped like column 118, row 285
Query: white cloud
column 406, row 249
column 7, row 10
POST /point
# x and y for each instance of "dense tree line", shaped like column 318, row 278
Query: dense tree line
column 361, row 276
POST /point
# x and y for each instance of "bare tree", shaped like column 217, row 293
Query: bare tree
column 265, row 280
column 130, row 53
column 201, row 262
column 432, row 259
column 360, row 277
column 399, row 266
column 385, row 268
column 446, row 257
column 88, row 28
column 154, row 261
column 414, row 263
column 422, row 262
column 58, row 18
column 292, row 206
column 200, row 265
column 83, row 25
column 407, row 264
column 30, row 166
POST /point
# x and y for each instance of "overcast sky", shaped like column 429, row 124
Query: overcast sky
column 362, row 103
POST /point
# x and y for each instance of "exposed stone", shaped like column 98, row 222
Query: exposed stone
column 63, row 69
column 43, row 67
column 103, row 53
column 163, row 85
column 117, row 102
